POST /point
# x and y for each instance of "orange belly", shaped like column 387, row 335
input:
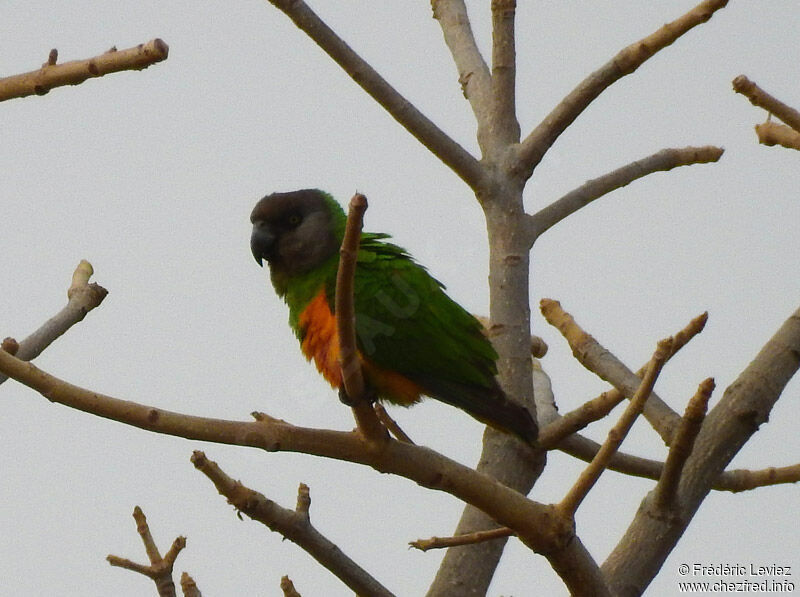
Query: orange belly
column 321, row 343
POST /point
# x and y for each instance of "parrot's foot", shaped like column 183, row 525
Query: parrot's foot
column 370, row 395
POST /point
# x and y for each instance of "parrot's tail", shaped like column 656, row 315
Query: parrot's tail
column 489, row 405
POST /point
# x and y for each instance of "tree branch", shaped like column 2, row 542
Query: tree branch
column 532, row 521
column 160, row 569
column 294, row 525
column 662, row 161
column 82, row 298
column 587, row 479
column 39, row 82
column 734, row 480
column 422, row 128
column 352, row 376
column 745, row 405
column 502, row 115
column 759, row 97
column 287, row 586
column 469, row 539
column 597, row 408
column 605, row 365
column 686, row 434
column 771, row 133
column 189, row 587
column 473, row 73
column 533, row 148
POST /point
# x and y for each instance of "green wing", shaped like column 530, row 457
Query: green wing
column 406, row 323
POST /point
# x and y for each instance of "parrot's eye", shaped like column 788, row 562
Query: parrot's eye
column 294, row 219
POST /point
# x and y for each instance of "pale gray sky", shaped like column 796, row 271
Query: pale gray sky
column 151, row 176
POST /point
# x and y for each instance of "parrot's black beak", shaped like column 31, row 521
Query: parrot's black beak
column 262, row 242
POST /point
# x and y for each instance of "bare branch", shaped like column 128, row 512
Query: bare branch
column 352, row 376
column 534, row 523
column 189, row 587
column 682, row 445
column 759, row 97
column 160, row 569
column 502, row 116
column 293, row 525
column 743, row 480
column 303, row 506
column 577, row 419
column 745, row 405
column 597, row 408
column 473, row 74
column 734, row 480
column 569, row 505
column 772, row 133
column 39, row 82
column 83, row 297
column 422, row 128
column 662, row 161
column 605, row 365
column 624, row 63
column 469, row 539
column 287, row 586
column 390, row 424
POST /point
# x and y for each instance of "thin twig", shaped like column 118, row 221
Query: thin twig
column 160, row 569
column 661, row 161
column 575, row 420
column 533, row 148
column 458, row 159
column 293, row 525
column 83, row 297
column 591, row 473
column 39, row 82
column 468, row 539
column 391, row 424
column 605, row 365
column 599, row 407
column 681, row 448
column 352, row 375
column 759, row 97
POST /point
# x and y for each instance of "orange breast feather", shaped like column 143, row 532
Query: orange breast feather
column 321, row 343
column 320, row 339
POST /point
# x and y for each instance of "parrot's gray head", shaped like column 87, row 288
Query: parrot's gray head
column 295, row 231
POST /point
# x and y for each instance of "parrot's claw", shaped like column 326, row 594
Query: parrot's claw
column 370, row 395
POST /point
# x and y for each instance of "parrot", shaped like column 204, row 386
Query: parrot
column 412, row 339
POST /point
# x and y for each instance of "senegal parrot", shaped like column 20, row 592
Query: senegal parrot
column 413, row 340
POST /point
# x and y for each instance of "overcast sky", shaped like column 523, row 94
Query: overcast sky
column 151, row 176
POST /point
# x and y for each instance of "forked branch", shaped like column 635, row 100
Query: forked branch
column 294, row 525
column 415, row 122
column 592, row 473
column 159, row 569
column 82, row 297
column 534, row 147
column 605, row 365
column 597, row 408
